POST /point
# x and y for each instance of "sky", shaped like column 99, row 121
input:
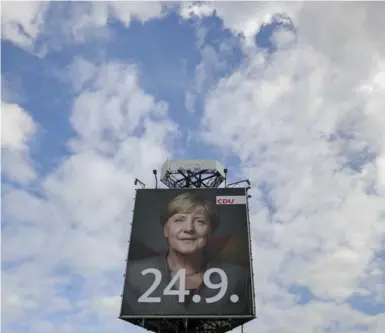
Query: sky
column 287, row 94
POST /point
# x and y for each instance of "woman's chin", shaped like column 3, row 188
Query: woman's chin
column 188, row 251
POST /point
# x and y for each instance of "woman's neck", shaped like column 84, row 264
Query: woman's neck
column 191, row 263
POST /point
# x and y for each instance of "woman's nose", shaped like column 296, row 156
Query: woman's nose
column 189, row 224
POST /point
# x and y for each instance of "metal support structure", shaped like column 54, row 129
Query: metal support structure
column 140, row 183
column 194, row 325
column 190, row 179
column 191, row 174
column 240, row 182
column 156, row 178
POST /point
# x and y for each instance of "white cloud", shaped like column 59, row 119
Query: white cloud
column 29, row 288
column 190, row 102
column 243, row 18
column 314, row 317
column 105, row 306
column 24, row 22
column 298, row 120
column 17, row 129
column 381, row 171
column 372, row 285
column 77, row 220
column 89, row 21
column 300, row 128
column 21, row 22
column 113, row 108
column 283, row 38
column 141, row 10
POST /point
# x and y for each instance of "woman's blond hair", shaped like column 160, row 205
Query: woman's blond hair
column 186, row 203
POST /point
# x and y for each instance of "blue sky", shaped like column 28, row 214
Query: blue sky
column 288, row 95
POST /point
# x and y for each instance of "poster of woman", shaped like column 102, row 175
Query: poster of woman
column 189, row 254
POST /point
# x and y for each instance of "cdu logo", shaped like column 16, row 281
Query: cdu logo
column 231, row 200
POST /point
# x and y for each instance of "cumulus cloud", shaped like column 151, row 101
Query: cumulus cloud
column 244, row 18
column 305, row 121
column 24, row 23
column 77, row 223
column 17, row 129
column 21, row 22
column 89, row 20
column 306, row 124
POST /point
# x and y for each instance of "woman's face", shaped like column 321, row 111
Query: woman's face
column 188, row 233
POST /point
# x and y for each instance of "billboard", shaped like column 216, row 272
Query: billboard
column 189, row 255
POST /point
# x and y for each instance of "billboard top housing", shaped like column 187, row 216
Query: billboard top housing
column 192, row 173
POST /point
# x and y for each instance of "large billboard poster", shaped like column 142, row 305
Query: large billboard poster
column 189, row 255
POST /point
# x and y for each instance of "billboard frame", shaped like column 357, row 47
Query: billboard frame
column 186, row 316
column 189, row 179
column 250, row 253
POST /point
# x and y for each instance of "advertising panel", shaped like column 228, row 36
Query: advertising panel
column 189, row 255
